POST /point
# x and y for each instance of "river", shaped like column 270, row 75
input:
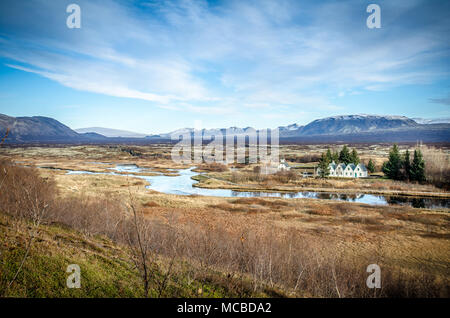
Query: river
column 182, row 184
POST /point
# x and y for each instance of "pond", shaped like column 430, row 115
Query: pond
column 183, row 184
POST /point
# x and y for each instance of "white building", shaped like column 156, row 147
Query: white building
column 361, row 171
column 273, row 167
column 332, row 168
column 346, row 171
column 340, row 170
column 283, row 165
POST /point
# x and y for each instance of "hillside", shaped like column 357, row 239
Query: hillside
column 107, row 269
column 36, row 128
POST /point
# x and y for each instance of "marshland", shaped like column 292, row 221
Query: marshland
column 141, row 225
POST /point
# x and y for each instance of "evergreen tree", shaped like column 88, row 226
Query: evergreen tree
column 335, row 156
column 371, row 166
column 418, row 167
column 383, row 167
column 392, row 169
column 329, row 155
column 354, row 158
column 407, row 165
column 344, row 156
column 324, row 169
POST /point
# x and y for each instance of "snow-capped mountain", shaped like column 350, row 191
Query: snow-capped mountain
column 426, row 121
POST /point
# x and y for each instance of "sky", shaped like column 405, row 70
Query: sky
column 156, row 66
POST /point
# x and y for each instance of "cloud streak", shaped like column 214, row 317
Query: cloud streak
column 443, row 101
column 197, row 56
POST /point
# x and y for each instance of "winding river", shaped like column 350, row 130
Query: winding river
column 182, row 184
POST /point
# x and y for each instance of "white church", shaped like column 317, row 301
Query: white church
column 346, row 171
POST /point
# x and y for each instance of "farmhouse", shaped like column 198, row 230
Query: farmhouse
column 273, row 167
column 339, row 170
column 283, row 165
column 346, row 171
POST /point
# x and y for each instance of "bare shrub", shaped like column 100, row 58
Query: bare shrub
column 284, row 176
column 25, row 194
column 256, row 176
column 213, row 167
column 437, row 166
column 150, row 204
column 137, row 232
column 363, row 220
column 304, row 159
column 26, row 197
column 90, row 216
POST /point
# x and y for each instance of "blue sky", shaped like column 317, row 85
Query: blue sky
column 155, row 66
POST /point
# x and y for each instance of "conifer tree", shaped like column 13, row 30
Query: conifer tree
column 329, row 155
column 344, row 156
column 324, row 169
column 335, row 156
column 418, row 167
column 407, row 165
column 354, row 158
column 371, row 166
column 392, row 168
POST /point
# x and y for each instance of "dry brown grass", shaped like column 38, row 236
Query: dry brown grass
column 212, row 167
column 304, row 247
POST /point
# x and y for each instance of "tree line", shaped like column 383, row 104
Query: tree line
column 400, row 167
column 344, row 156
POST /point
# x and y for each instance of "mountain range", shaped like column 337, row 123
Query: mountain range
column 346, row 128
column 109, row 132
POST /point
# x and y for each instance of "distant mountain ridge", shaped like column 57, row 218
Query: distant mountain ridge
column 426, row 121
column 349, row 124
column 109, row 132
column 335, row 125
column 345, row 128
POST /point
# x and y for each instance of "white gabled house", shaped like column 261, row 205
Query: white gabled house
column 346, row 171
column 332, row 168
column 361, row 171
column 340, row 170
column 273, row 167
column 283, row 165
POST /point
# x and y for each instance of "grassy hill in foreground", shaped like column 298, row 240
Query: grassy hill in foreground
column 106, row 269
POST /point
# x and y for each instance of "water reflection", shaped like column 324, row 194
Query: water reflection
column 182, row 184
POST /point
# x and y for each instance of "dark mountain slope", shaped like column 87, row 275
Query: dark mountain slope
column 36, row 128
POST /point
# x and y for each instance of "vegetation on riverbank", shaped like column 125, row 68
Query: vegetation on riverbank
column 250, row 181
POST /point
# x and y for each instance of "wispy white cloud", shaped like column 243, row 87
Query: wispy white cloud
column 444, row 100
column 219, row 58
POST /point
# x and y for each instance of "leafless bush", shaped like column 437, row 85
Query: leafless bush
column 25, row 195
column 304, row 159
column 284, row 176
column 90, row 216
column 256, row 176
column 27, row 198
column 213, row 167
column 437, row 166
